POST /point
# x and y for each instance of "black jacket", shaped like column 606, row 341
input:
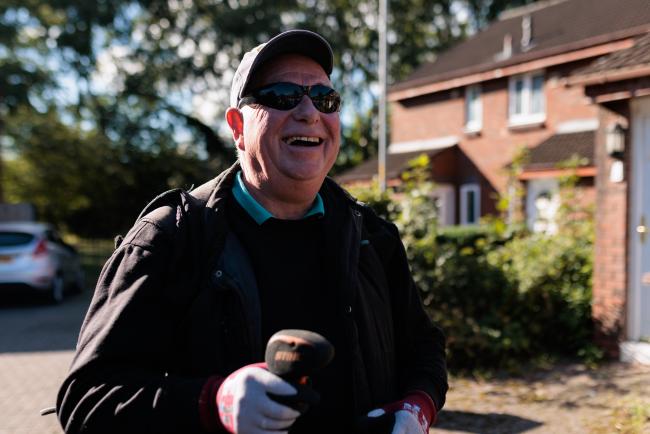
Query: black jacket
column 177, row 303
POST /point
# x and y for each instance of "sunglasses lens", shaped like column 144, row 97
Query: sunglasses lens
column 281, row 96
column 325, row 99
column 285, row 96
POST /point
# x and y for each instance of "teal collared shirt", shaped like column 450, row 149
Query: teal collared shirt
column 261, row 214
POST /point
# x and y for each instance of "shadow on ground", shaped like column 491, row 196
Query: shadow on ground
column 484, row 423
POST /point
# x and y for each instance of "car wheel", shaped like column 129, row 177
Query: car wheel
column 56, row 289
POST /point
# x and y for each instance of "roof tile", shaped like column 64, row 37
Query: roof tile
column 561, row 147
column 637, row 55
column 395, row 165
column 555, row 28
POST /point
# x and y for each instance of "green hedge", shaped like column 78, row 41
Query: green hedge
column 506, row 300
column 502, row 295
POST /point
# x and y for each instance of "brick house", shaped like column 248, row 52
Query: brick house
column 560, row 78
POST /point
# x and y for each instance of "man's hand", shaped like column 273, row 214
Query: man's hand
column 412, row 415
column 244, row 406
column 405, row 422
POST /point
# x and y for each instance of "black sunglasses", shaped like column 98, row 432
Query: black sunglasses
column 285, row 96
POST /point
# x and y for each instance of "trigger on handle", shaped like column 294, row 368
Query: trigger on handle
column 301, row 401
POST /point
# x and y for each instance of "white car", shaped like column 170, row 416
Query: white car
column 34, row 258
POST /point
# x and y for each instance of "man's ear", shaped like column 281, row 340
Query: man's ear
column 235, row 120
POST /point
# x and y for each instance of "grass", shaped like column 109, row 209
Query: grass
column 632, row 416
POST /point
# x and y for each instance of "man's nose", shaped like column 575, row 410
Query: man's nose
column 305, row 111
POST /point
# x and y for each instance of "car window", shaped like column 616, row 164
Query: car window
column 12, row 239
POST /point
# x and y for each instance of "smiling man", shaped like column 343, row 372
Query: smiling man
column 286, row 152
column 176, row 331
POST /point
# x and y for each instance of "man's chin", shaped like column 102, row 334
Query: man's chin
column 304, row 178
column 306, row 173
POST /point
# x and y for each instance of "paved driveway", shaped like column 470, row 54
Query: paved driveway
column 37, row 343
column 36, row 348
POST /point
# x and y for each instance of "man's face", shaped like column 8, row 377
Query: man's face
column 269, row 142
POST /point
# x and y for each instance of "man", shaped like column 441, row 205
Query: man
column 183, row 308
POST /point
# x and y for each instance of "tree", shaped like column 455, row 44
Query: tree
column 80, row 181
column 484, row 12
column 152, row 77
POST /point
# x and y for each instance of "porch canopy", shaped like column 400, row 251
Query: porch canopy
column 546, row 158
column 396, row 164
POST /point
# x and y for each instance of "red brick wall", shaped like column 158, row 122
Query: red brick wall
column 426, row 117
column 442, row 114
column 444, row 164
column 610, row 266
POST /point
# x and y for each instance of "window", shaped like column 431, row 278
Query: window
column 542, row 204
column 527, row 99
column 470, row 204
column 473, row 109
column 12, row 239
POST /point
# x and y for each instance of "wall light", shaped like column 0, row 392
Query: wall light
column 615, row 141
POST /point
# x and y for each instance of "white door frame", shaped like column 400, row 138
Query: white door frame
column 446, row 194
column 639, row 107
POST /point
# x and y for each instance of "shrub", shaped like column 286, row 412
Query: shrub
column 381, row 202
column 552, row 275
column 501, row 294
column 473, row 302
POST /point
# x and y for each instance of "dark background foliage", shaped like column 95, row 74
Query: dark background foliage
column 91, row 156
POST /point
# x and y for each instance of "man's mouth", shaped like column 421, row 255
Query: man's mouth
column 303, row 141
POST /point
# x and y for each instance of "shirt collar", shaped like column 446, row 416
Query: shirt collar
column 261, row 214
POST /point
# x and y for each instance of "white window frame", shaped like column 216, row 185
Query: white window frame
column 464, row 189
column 445, row 195
column 526, row 117
column 473, row 125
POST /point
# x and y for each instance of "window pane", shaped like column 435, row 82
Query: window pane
column 519, row 96
column 468, row 105
column 471, row 217
column 472, row 101
column 476, row 108
column 11, row 239
column 537, row 101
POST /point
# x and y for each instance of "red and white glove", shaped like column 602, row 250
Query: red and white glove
column 413, row 415
column 243, row 406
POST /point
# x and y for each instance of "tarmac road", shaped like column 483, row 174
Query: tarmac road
column 36, row 347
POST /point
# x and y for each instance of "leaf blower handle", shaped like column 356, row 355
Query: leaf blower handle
column 295, row 355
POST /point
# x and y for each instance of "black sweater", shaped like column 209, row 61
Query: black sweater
column 294, row 279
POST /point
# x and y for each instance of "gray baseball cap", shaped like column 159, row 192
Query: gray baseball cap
column 303, row 42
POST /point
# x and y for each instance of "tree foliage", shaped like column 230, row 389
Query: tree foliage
column 485, row 11
column 148, row 80
column 81, row 181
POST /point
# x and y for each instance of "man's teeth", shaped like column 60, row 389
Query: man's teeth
column 290, row 140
